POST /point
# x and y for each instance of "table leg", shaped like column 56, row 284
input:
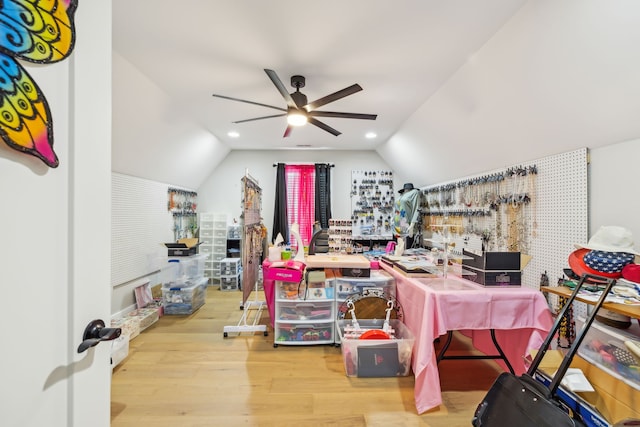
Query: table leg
column 500, row 355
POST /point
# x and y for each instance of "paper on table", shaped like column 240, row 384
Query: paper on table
column 575, row 380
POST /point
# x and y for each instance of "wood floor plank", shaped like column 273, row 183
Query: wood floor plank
column 182, row 372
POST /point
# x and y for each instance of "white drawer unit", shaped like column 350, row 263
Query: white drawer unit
column 229, row 266
column 213, row 238
column 304, row 314
column 230, row 283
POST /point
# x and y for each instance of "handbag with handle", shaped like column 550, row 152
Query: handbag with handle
column 522, row 401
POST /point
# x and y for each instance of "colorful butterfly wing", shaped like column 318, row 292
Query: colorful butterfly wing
column 36, row 31
column 25, row 120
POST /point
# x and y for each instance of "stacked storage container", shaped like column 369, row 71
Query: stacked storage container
column 230, row 274
column 184, row 284
column 304, row 312
column 213, row 235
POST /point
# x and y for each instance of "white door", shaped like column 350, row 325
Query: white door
column 54, row 257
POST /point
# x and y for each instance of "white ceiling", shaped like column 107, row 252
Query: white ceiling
column 401, row 52
column 460, row 86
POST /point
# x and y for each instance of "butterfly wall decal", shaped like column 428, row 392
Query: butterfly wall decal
column 38, row 31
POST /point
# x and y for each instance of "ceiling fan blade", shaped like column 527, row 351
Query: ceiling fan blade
column 333, row 97
column 287, row 131
column 316, row 113
column 281, row 88
column 249, row 102
column 259, row 118
column 323, row 126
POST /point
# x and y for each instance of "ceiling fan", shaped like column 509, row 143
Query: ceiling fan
column 299, row 111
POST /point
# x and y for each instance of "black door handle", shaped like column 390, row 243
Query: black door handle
column 95, row 332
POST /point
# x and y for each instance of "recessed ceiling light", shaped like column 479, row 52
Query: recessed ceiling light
column 233, row 134
column 370, row 135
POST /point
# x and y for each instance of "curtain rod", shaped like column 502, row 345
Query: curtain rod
column 306, row 163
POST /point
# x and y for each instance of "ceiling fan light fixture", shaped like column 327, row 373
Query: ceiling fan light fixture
column 296, row 118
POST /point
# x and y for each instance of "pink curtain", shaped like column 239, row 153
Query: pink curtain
column 301, row 200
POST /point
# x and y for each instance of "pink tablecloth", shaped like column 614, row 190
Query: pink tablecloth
column 520, row 317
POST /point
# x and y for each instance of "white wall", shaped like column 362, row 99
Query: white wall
column 558, row 76
column 55, row 270
column 613, row 191
column 221, row 192
column 147, row 121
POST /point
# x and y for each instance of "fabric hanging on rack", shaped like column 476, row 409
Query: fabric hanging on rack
column 301, row 200
column 252, row 237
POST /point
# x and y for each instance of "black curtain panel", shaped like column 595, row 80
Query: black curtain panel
column 323, row 194
column 280, row 224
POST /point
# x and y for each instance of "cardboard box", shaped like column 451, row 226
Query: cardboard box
column 356, row 272
column 184, row 247
column 500, row 261
column 494, row 278
column 286, row 271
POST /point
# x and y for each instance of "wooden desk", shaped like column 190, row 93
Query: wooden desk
column 432, row 307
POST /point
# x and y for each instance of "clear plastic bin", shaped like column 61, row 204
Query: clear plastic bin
column 376, row 357
column 604, row 346
column 183, row 300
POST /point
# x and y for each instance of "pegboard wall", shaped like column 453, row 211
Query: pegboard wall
column 372, row 203
column 554, row 217
column 562, row 216
column 140, row 224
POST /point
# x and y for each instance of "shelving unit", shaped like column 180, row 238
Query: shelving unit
column 234, row 240
column 230, row 274
column 304, row 314
column 213, row 238
column 340, row 235
column 615, row 382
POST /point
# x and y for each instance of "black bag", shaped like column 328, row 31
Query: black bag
column 522, row 401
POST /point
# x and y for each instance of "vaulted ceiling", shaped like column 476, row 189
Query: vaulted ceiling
column 518, row 78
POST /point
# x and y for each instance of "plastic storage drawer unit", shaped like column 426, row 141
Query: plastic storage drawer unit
column 230, row 266
column 230, row 283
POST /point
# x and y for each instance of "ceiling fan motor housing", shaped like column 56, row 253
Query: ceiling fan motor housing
column 299, row 98
column 297, row 81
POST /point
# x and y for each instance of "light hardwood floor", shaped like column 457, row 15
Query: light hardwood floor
column 182, row 372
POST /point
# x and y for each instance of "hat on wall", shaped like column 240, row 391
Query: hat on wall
column 613, row 319
column 580, row 267
column 631, row 272
column 407, row 187
column 611, row 238
column 608, row 262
